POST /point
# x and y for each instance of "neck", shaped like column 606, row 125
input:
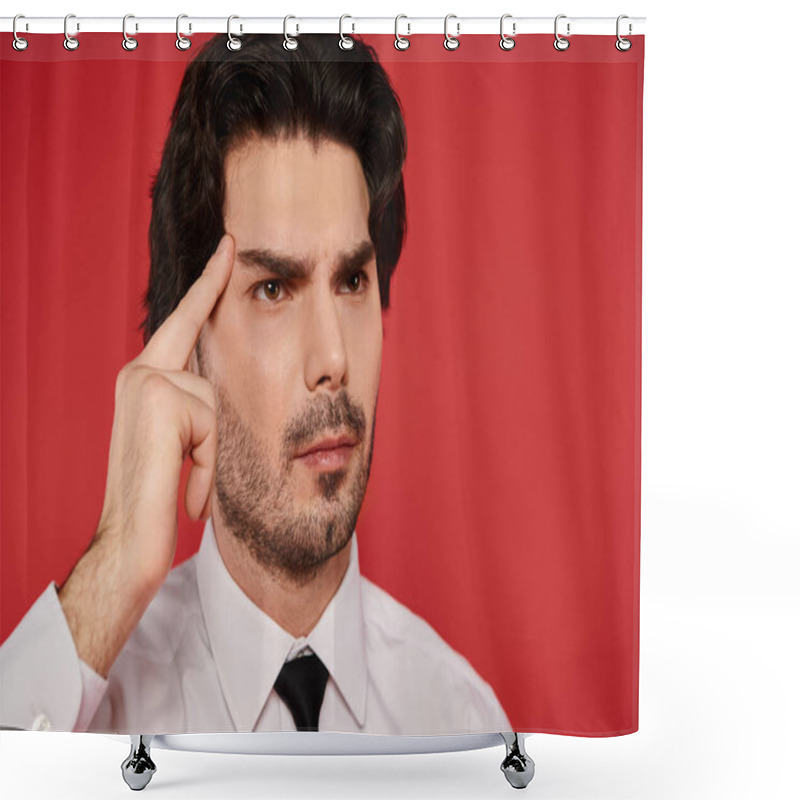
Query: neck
column 296, row 608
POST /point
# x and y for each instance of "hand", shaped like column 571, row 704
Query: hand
column 162, row 412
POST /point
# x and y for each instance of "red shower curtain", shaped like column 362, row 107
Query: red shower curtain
column 503, row 504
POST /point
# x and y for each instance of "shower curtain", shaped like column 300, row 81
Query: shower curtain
column 493, row 577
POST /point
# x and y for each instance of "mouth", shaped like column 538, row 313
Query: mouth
column 329, row 453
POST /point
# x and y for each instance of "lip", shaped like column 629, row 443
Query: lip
column 331, row 443
column 327, row 458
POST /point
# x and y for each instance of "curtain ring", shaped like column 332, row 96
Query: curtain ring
column 400, row 42
column 289, row 42
column 182, row 43
column 19, row 43
column 345, row 42
column 451, row 42
column 506, row 42
column 623, row 45
column 234, row 44
column 70, row 42
column 128, row 42
column 561, row 43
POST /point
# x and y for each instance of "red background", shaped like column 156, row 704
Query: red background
column 503, row 504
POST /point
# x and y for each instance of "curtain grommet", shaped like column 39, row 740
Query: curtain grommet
column 622, row 44
column 234, row 44
column 507, row 42
column 400, row 42
column 451, row 42
column 346, row 42
column 18, row 43
column 182, row 43
column 560, row 43
column 289, row 42
column 70, row 42
column 128, row 42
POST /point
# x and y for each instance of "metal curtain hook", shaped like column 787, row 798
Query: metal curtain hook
column 233, row 43
column 182, row 43
column 345, row 42
column 128, row 42
column 451, row 42
column 621, row 44
column 289, row 43
column 506, row 42
column 70, row 42
column 561, row 43
column 400, row 42
column 19, row 43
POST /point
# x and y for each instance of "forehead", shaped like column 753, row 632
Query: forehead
column 288, row 195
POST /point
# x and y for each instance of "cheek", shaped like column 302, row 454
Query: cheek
column 376, row 369
column 365, row 350
column 255, row 372
column 263, row 384
column 376, row 348
column 370, row 352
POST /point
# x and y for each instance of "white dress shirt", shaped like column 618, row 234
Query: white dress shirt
column 204, row 658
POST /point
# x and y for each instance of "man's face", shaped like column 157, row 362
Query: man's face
column 295, row 360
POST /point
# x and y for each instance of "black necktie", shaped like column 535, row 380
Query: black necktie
column 301, row 685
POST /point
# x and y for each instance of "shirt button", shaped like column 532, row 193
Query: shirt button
column 41, row 723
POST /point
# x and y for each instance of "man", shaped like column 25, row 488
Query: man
column 278, row 219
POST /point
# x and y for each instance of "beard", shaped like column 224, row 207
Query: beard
column 256, row 495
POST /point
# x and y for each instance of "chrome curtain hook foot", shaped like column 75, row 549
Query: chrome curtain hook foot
column 128, row 42
column 400, row 42
column 345, row 42
column 451, row 42
column 70, row 42
column 507, row 42
column 517, row 766
column 289, row 42
column 138, row 768
column 182, row 43
column 233, row 43
column 623, row 45
column 561, row 43
column 19, row 43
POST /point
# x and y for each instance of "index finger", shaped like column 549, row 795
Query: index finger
column 172, row 344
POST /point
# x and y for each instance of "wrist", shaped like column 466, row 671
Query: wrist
column 102, row 604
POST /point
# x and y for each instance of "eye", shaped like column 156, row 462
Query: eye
column 271, row 289
column 357, row 280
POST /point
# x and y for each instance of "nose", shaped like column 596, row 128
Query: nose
column 325, row 354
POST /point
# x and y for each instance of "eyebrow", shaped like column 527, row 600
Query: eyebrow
column 263, row 259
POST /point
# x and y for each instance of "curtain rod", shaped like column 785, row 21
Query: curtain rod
column 297, row 25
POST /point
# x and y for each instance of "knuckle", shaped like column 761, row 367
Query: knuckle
column 124, row 378
column 156, row 389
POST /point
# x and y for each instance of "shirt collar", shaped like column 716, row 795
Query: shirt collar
column 247, row 643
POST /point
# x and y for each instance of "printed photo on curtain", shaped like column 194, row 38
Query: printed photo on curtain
column 320, row 380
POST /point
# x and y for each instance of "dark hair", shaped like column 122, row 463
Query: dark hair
column 318, row 91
